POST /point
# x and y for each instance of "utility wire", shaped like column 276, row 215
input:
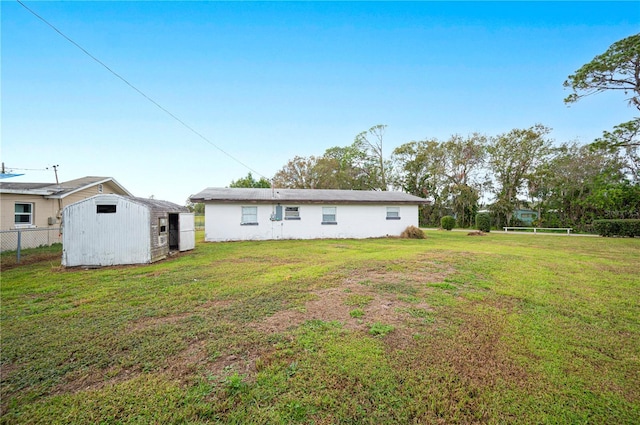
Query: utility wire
column 27, row 169
column 140, row 92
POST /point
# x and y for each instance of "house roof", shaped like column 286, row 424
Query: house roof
column 53, row 190
column 229, row 195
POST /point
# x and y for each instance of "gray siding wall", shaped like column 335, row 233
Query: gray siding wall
column 159, row 242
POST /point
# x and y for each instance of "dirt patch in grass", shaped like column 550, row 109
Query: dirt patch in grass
column 184, row 366
column 8, row 261
column 478, row 351
column 476, row 346
column 93, row 379
column 375, row 284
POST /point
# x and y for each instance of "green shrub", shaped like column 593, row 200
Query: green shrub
column 483, row 222
column 447, row 222
column 628, row 228
column 412, row 232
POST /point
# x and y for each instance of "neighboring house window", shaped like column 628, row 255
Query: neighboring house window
column 329, row 215
column 106, row 209
column 249, row 216
column 292, row 213
column 393, row 213
column 23, row 214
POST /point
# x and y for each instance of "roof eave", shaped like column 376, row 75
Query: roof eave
column 109, row 179
column 35, row 192
column 307, row 201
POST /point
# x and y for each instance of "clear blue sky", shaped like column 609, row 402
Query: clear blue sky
column 271, row 80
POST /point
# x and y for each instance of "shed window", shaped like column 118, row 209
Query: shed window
column 292, row 213
column 329, row 215
column 249, row 216
column 393, row 213
column 162, row 225
column 23, row 214
column 106, row 209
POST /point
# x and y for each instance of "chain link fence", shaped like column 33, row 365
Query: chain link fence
column 19, row 239
column 199, row 222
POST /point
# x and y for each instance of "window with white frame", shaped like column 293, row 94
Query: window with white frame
column 249, row 216
column 292, row 213
column 329, row 215
column 23, row 214
column 393, row 213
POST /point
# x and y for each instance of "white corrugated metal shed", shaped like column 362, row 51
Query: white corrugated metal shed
column 111, row 229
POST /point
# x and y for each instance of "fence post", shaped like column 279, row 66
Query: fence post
column 19, row 243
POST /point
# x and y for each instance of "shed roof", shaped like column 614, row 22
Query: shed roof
column 255, row 195
column 158, row 204
column 53, row 190
column 153, row 204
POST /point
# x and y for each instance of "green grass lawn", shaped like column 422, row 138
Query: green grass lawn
column 450, row 329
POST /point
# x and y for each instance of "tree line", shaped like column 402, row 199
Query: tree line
column 569, row 185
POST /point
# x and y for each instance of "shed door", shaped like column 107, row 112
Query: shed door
column 187, row 232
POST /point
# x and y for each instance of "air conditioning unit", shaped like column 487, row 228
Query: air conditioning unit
column 51, row 221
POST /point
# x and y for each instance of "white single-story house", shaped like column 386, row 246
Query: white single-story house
column 35, row 209
column 107, row 230
column 261, row 214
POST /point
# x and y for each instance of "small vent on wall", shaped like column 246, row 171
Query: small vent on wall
column 100, row 188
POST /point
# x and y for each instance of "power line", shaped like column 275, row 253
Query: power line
column 140, row 92
column 27, row 169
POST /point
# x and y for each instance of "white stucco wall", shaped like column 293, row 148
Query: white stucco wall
column 222, row 222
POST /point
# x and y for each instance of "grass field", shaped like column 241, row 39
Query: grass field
column 450, row 329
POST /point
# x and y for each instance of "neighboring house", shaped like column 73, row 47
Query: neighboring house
column 261, row 214
column 107, row 230
column 525, row 215
column 39, row 206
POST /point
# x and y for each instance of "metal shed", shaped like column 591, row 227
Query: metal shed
column 107, row 230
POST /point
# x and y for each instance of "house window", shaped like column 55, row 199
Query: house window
column 162, row 225
column 23, row 214
column 106, row 209
column 393, row 213
column 292, row 213
column 329, row 215
column 249, row 216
